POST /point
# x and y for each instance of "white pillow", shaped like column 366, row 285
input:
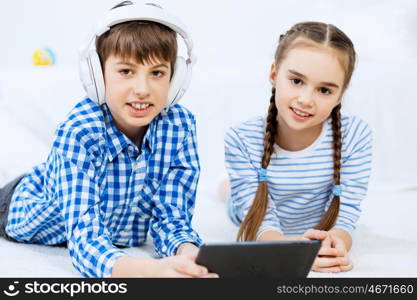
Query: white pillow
column 20, row 150
column 39, row 98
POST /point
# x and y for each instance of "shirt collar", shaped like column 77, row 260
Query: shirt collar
column 116, row 141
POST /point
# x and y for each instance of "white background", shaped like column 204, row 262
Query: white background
column 235, row 42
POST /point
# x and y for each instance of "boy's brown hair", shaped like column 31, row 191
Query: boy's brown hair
column 144, row 41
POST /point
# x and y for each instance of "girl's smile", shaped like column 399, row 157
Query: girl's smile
column 308, row 83
column 300, row 115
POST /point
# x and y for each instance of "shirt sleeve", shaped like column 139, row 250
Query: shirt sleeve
column 243, row 175
column 354, row 177
column 175, row 200
column 89, row 244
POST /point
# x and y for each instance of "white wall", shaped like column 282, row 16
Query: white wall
column 235, row 41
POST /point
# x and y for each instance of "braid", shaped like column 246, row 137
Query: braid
column 337, row 143
column 250, row 225
column 271, row 130
column 330, row 216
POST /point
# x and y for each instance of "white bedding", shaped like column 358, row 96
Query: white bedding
column 385, row 244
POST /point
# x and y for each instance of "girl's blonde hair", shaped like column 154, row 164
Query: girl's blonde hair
column 309, row 34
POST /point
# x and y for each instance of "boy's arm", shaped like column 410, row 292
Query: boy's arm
column 175, row 200
column 77, row 191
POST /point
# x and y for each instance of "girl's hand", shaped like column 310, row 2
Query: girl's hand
column 325, row 260
column 314, row 234
column 333, row 256
column 342, row 253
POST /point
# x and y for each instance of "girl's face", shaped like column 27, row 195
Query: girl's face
column 309, row 84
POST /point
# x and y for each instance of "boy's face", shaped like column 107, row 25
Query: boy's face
column 135, row 93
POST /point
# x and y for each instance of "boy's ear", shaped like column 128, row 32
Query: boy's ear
column 272, row 74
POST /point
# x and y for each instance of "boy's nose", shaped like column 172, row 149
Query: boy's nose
column 141, row 87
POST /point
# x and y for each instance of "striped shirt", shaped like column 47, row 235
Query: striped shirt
column 98, row 190
column 299, row 182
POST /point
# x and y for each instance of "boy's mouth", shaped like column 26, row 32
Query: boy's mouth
column 140, row 106
column 137, row 109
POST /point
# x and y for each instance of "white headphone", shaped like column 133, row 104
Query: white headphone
column 89, row 64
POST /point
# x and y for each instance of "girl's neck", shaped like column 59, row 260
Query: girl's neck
column 297, row 140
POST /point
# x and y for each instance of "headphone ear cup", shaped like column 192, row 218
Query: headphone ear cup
column 98, row 77
column 92, row 77
column 178, row 81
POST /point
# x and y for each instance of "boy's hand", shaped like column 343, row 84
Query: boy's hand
column 174, row 266
column 180, row 266
column 191, row 251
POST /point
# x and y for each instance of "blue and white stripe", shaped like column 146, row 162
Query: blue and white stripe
column 300, row 183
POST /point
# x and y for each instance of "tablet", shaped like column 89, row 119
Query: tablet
column 289, row 259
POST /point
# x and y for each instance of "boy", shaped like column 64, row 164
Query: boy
column 122, row 163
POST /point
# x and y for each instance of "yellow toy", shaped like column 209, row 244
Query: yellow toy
column 43, row 57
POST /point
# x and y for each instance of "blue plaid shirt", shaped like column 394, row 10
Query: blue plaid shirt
column 97, row 189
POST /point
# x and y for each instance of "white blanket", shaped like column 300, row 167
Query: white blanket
column 385, row 244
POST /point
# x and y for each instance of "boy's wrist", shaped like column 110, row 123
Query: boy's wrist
column 186, row 248
column 127, row 266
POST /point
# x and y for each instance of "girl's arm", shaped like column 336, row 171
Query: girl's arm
column 311, row 234
column 271, row 235
column 354, row 177
column 244, row 180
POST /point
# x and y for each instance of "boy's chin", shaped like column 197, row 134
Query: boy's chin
column 141, row 122
column 143, row 118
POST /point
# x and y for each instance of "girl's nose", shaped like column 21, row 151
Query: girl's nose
column 305, row 98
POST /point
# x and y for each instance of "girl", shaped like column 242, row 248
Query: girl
column 303, row 171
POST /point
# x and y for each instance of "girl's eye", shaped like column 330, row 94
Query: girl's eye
column 325, row 91
column 125, row 72
column 158, row 73
column 296, row 81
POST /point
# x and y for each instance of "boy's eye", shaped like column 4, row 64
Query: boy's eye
column 158, row 73
column 296, row 81
column 325, row 91
column 125, row 72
